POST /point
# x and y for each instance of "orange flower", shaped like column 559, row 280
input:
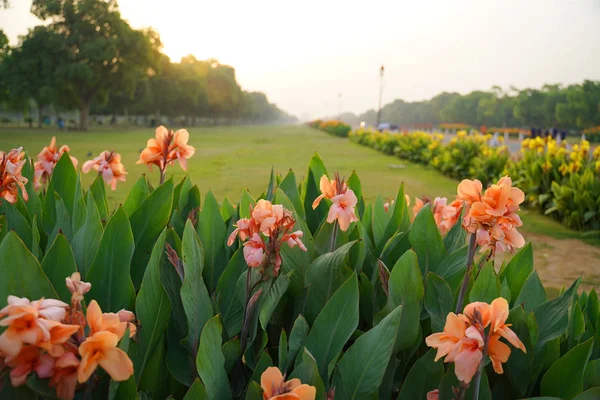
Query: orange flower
column 108, row 164
column 22, row 364
column 245, row 228
column 498, row 316
column 77, row 287
column 293, row 239
column 100, row 349
column 35, row 323
column 275, row 387
column 266, row 215
column 344, row 200
column 109, row 322
column 386, row 206
column 254, row 251
column 433, row 395
column 467, row 355
column 469, row 191
column 167, row 147
column 47, row 160
column 444, row 214
column 445, row 342
column 328, row 190
column 64, row 376
column 11, row 179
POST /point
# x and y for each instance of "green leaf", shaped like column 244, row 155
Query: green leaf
column 553, row 316
column 308, row 373
column 58, row 264
column 213, row 234
column 487, row 286
column 98, row 191
column 15, row 221
column 126, row 389
column 152, row 309
column 63, row 220
column 456, row 237
column 520, row 365
column 592, row 308
column 450, row 381
column 271, row 188
column 361, row 368
column 232, row 351
column 532, row 294
column 139, row 192
column 35, row 238
column 591, row 376
column 324, row 235
column 247, row 203
column 227, row 210
column 518, row 269
column 334, row 325
column 354, row 184
column 380, row 222
column 64, row 181
column 21, row 274
column 289, row 186
column 254, row 392
column 196, row 391
column 231, row 309
column 211, row 363
column 564, row 378
column 272, row 298
column 298, row 334
column 282, row 351
column 87, row 239
column 263, row 363
column 399, row 220
column 395, row 247
column 427, row 241
column 424, row 376
column 109, row 272
column 310, row 191
column 324, row 276
column 406, row 289
column 590, row 394
column 438, row 301
column 505, row 291
column 194, row 295
column 147, row 222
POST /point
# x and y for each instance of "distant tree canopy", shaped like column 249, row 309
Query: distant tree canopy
column 567, row 107
column 90, row 59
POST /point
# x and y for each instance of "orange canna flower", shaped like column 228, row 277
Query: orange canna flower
column 64, row 376
column 23, row 363
column 109, row 322
column 77, row 287
column 445, row 342
column 108, row 164
column 47, row 160
column 433, row 395
column 266, row 215
column 254, row 251
column 469, row 191
column 498, row 352
column 342, row 209
column 11, row 179
column 276, row 388
column 100, row 349
column 166, row 148
column 498, row 316
column 35, row 323
column 245, row 228
column 328, row 190
column 386, row 206
column 293, row 239
column 467, row 354
column 445, row 215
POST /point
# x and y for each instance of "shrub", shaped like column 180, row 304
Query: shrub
column 337, row 128
column 341, row 296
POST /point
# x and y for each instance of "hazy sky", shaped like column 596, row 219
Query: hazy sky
column 302, row 54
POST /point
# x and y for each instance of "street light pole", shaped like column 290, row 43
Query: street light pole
column 381, row 70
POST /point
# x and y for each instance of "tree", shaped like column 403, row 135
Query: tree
column 103, row 51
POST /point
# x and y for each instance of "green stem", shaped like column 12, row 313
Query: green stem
column 465, row 282
column 479, row 373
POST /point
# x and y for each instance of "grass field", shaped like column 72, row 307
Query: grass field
column 229, row 159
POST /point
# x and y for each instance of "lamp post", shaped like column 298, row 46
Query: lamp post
column 381, row 70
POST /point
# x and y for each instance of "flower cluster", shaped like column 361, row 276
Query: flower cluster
column 469, row 337
column 166, row 148
column 47, row 159
column 493, row 216
column 11, row 179
column 344, row 201
column 275, row 387
column 48, row 336
column 269, row 226
column 445, row 215
column 108, row 164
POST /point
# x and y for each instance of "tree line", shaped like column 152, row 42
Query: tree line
column 90, row 59
column 574, row 106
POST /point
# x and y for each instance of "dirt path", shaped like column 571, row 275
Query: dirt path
column 560, row 261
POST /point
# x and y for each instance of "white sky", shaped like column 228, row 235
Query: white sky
column 302, row 54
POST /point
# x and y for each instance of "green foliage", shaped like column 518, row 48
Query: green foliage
column 338, row 319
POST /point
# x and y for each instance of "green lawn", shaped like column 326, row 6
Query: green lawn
column 229, row 159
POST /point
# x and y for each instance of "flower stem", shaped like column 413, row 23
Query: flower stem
column 465, row 282
column 479, row 373
column 162, row 175
column 333, row 236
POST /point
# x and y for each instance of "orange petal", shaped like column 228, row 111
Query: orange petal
column 117, row 364
column 466, row 364
column 305, row 392
column 512, row 338
column 271, row 379
column 498, row 312
column 94, row 317
column 483, row 308
column 315, row 203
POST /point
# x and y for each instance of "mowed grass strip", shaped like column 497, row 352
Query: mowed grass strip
column 231, row 158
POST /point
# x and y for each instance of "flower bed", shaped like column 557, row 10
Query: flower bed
column 305, row 292
column 337, row 128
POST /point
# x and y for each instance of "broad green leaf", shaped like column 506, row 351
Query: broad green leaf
column 152, row 309
column 196, row 391
column 64, row 181
column 592, row 308
column 334, row 325
column 380, row 222
column 487, row 286
column 355, row 185
column 263, row 363
column 324, row 236
column 590, row 394
column 427, row 241
column 254, row 392
column 518, row 269
column 227, row 210
column 98, row 191
column 406, row 289
column 271, row 299
column 308, row 373
column 505, row 291
column 34, row 204
column 361, row 368
column 520, row 365
column 290, row 188
column 324, row 276
column 213, row 234
column 63, row 220
column 424, row 376
column 553, row 316
column 147, row 222
column 564, row 378
column 15, row 221
column 532, row 294
column 126, row 389
column 271, row 188
column 20, row 272
column 232, row 310
column 456, row 237
column 156, row 375
column 194, row 295
column 298, row 334
column 35, row 239
column 247, row 203
column 395, row 247
column 58, row 264
column 211, row 363
column 109, row 272
column 87, row 239
column 139, row 192
column 232, row 351
column 591, row 376
column 310, row 191
column 398, row 217
column 282, row 351
column 438, row 301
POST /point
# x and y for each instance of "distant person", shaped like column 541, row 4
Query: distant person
column 533, row 132
column 563, row 135
column 61, row 123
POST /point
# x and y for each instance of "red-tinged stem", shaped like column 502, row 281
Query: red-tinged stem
column 465, row 282
column 162, row 175
column 480, row 371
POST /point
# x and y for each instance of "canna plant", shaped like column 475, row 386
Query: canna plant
column 305, row 291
